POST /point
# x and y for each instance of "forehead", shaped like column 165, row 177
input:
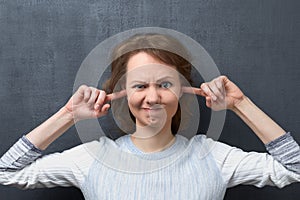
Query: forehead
column 145, row 67
column 141, row 59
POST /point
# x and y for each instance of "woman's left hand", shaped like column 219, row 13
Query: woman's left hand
column 220, row 93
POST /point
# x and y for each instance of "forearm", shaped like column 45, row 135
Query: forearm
column 43, row 135
column 262, row 125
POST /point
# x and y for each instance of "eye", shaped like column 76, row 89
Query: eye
column 165, row 85
column 139, row 86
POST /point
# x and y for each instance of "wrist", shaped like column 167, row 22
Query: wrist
column 241, row 104
column 66, row 115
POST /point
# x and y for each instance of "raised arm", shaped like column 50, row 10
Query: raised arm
column 221, row 93
column 87, row 102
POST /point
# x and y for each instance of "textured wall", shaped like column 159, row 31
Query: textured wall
column 43, row 42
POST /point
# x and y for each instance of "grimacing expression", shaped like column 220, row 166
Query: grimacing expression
column 153, row 90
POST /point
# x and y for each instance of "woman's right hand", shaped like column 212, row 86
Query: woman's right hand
column 88, row 102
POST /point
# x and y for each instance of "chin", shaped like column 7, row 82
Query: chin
column 154, row 122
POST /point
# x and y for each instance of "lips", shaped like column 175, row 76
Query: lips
column 155, row 114
column 153, row 108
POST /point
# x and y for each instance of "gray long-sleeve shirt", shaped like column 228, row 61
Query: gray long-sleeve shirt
column 199, row 168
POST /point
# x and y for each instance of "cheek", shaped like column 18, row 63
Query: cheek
column 134, row 100
column 177, row 92
column 172, row 101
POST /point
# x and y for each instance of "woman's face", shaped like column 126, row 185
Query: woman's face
column 153, row 89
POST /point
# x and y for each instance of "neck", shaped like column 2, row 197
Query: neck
column 149, row 139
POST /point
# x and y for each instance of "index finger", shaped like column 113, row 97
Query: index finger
column 193, row 90
column 115, row 95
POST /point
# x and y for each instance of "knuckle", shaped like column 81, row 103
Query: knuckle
column 88, row 90
column 101, row 96
column 97, row 91
column 102, row 92
column 203, row 85
column 92, row 88
column 224, row 77
column 83, row 87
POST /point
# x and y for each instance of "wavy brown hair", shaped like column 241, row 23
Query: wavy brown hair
column 161, row 47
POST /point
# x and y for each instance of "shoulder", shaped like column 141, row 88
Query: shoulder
column 88, row 150
column 204, row 140
column 96, row 145
column 207, row 145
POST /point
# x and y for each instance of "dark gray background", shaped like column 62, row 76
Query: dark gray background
column 43, row 42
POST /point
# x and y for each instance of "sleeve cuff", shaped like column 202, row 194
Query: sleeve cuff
column 32, row 147
column 279, row 141
column 286, row 151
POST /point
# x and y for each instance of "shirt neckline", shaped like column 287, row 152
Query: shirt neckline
column 172, row 149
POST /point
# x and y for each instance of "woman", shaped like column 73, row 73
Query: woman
column 199, row 168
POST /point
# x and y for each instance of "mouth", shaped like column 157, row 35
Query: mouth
column 154, row 108
column 155, row 114
column 151, row 110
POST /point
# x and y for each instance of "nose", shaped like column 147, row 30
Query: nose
column 152, row 96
